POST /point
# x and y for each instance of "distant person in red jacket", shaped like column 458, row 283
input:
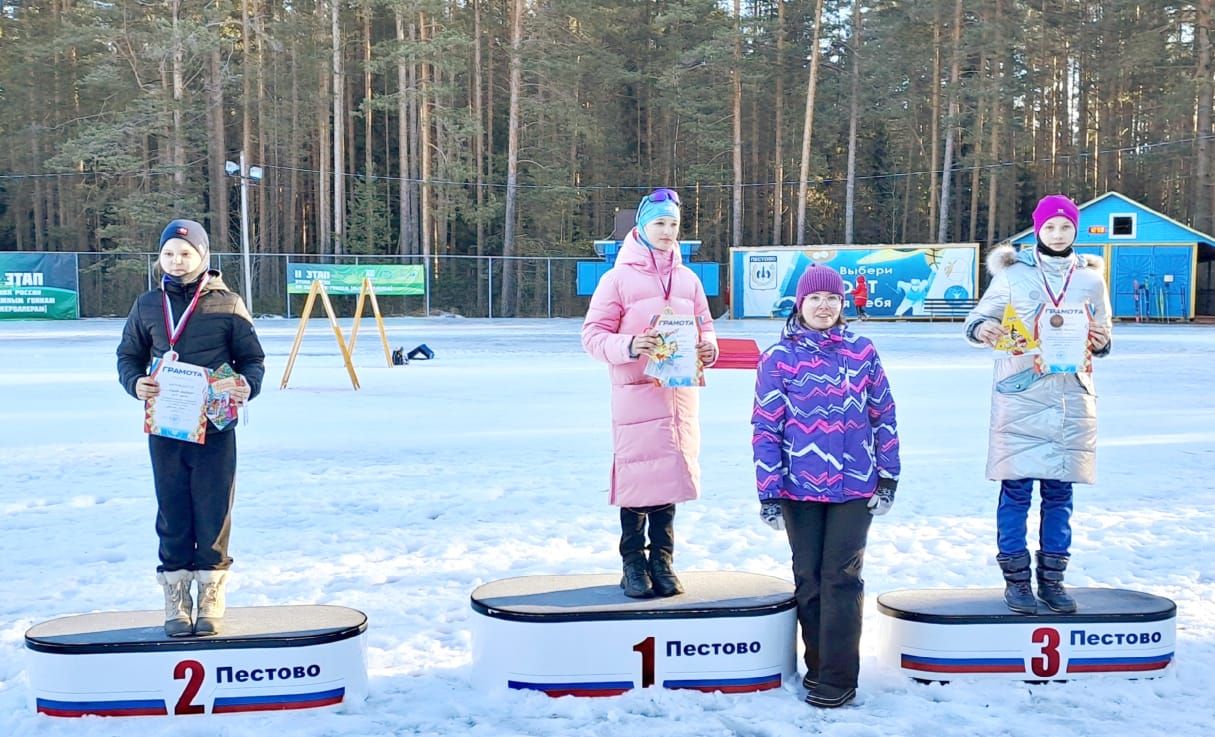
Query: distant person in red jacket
column 860, row 296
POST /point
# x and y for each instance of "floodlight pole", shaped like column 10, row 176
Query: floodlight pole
column 247, row 272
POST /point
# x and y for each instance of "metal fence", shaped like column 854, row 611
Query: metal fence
column 464, row 285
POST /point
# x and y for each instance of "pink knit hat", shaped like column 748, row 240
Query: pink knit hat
column 818, row 278
column 1054, row 205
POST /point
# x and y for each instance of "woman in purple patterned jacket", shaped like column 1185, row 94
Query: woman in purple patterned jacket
column 826, row 460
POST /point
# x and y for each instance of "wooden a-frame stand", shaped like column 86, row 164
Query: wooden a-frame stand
column 346, row 349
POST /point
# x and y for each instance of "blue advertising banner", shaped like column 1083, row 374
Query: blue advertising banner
column 764, row 280
column 39, row 286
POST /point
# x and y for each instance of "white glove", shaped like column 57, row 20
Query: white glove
column 883, row 497
column 769, row 512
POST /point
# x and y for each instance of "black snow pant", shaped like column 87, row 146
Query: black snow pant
column 828, row 544
column 633, row 530
column 195, row 487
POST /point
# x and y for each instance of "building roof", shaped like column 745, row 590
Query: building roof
column 1163, row 228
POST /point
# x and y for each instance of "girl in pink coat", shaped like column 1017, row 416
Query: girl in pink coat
column 655, row 429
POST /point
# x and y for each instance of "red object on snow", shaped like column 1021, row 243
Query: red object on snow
column 736, row 353
column 860, row 292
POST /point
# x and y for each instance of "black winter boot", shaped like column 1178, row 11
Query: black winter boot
column 666, row 583
column 1050, row 583
column 636, row 580
column 662, row 551
column 1018, row 594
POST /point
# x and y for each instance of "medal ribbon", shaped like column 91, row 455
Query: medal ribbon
column 666, row 288
column 1056, row 301
column 175, row 329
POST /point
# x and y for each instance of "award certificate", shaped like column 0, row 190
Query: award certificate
column 222, row 410
column 179, row 410
column 675, row 362
column 1017, row 339
column 1063, row 332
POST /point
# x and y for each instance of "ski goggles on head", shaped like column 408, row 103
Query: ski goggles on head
column 663, row 194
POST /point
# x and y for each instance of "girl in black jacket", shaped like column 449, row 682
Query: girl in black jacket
column 192, row 318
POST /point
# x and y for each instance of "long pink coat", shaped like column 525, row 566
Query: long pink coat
column 655, row 430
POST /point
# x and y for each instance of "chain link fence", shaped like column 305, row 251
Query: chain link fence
column 471, row 286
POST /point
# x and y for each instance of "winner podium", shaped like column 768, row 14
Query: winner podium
column 267, row 659
column 579, row 635
column 947, row 634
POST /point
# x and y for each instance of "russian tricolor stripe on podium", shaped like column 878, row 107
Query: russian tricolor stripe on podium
column 1119, row 665
column 124, row 708
column 727, row 685
column 615, row 688
column 963, row 665
column 278, row 702
column 222, row 705
column 589, row 688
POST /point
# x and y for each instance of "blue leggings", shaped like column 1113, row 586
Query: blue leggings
column 1054, row 531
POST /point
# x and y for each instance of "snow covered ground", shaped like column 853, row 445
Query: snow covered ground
column 492, row 460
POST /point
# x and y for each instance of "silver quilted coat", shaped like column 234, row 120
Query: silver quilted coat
column 1042, row 426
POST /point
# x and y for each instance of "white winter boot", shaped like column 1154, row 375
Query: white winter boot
column 179, row 607
column 211, row 603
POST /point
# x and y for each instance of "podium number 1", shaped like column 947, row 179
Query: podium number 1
column 646, row 648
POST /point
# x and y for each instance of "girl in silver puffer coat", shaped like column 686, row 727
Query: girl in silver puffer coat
column 1043, row 425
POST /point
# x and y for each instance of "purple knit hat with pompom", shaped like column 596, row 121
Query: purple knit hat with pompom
column 818, row 278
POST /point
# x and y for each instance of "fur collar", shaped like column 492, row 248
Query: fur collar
column 1005, row 255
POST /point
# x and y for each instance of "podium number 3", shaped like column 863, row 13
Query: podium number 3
column 646, row 648
column 194, row 671
column 1048, row 664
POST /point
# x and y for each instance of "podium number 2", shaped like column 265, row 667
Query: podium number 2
column 196, row 672
column 1048, row 664
column 646, row 648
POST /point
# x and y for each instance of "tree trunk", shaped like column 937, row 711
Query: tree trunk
column 479, row 153
column 935, row 137
column 778, row 153
column 246, row 138
column 217, row 179
column 405, row 222
column 758, row 194
column 512, row 158
column 736, row 215
column 411, row 122
column 951, row 129
column 976, row 170
column 803, row 185
column 1203, row 191
column 177, row 144
column 339, row 131
column 424, row 145
column 996, row 98
column 368, row 160
column 854, row 112
column 39, row 199
column 295, row 239
column 259, row 239
column 324, row 231
column 908, row 185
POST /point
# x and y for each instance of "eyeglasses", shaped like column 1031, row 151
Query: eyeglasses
column 662, row 194
column 832, row 300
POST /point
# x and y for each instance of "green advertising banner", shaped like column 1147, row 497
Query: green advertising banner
column 39, row 286
column 386, row 279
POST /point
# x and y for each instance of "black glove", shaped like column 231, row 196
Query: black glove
column 883, row 497
column 769, row 512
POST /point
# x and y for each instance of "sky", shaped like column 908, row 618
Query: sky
column 491, row 461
